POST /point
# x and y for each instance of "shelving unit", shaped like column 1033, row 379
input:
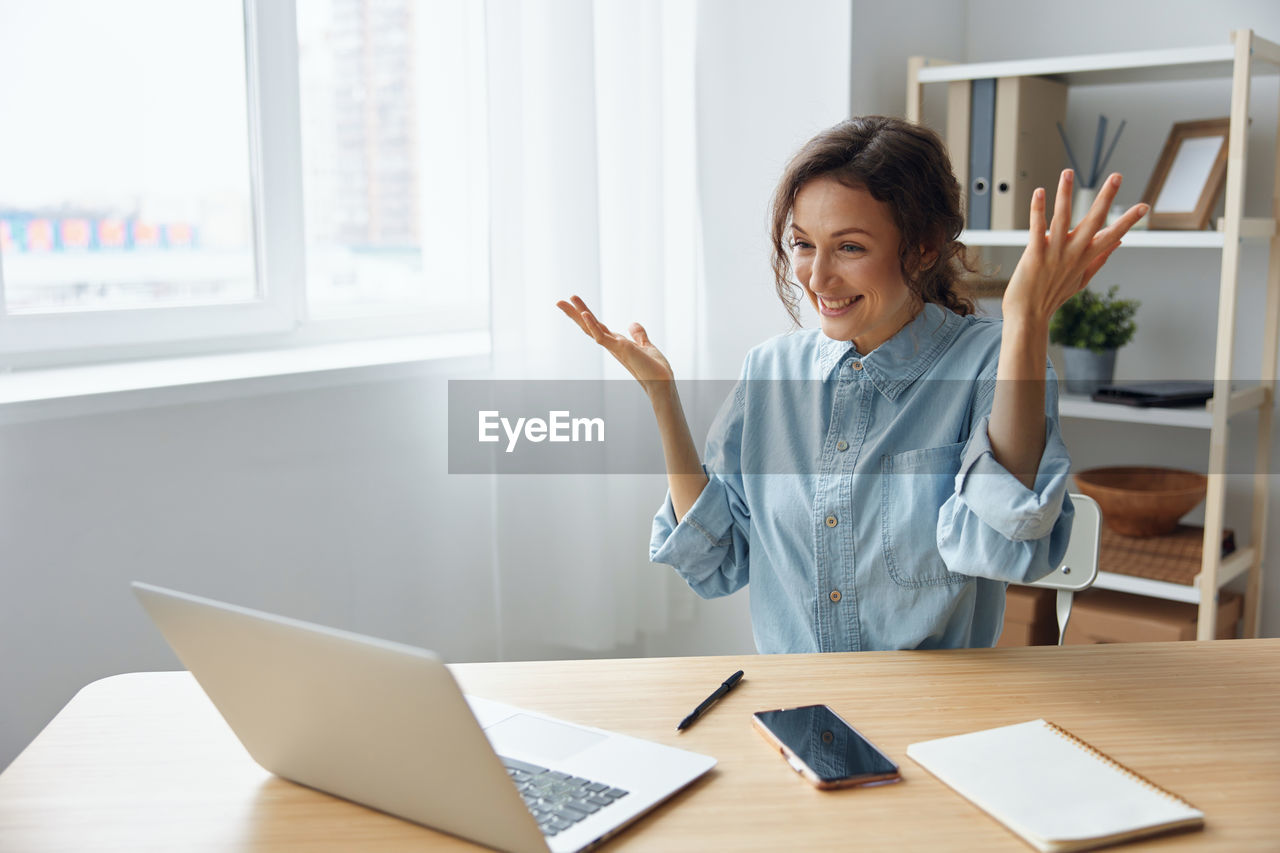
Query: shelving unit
column 1245, row 56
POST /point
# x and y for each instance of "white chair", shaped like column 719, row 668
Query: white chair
column 1079, row 566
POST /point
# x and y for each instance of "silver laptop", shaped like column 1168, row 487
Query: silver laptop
column 385, row 725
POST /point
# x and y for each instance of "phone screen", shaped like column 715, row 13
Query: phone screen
column 826, row 743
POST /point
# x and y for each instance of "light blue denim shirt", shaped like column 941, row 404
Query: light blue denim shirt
column 859, row 496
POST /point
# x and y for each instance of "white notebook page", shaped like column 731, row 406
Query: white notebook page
column 1046, row 787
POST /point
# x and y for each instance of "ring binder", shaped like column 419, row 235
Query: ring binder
column 1025, row 152
column 981, row 152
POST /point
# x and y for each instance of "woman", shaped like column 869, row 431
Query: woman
column 879, row 482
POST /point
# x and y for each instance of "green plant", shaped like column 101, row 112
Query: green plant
column 1094, row 322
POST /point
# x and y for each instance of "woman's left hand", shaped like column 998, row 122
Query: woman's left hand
column 1058, row 264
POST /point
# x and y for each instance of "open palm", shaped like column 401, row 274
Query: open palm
column 636, row 353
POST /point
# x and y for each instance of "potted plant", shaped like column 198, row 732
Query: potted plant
column 1091, row 327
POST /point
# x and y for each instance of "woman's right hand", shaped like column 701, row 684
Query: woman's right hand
column 636, row 353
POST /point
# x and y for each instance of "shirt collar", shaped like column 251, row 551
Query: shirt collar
column 899, row 361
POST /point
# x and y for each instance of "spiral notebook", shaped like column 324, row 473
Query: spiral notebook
column 1051, row 788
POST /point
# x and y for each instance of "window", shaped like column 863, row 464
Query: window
column 214, row 174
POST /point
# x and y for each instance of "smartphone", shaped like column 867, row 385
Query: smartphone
column 824, row 749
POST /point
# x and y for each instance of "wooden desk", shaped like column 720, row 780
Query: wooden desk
column 143, row 762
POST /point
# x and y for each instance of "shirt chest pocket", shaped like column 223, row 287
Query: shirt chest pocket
column 914, row 486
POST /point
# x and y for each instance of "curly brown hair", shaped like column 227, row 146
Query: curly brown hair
column 899, row 163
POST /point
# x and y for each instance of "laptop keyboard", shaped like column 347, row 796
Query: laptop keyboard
column 558, row 800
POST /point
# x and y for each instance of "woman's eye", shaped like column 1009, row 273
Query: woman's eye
column 799, row 244
column 851, row 247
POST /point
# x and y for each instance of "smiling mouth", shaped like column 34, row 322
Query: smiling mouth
column 837, row 306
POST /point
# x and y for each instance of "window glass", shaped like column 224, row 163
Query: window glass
column 124, row 160
column 390, row 90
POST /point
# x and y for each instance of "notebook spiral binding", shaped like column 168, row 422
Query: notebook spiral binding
column 1106, row 759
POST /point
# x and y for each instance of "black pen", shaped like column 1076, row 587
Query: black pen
column 729, row 684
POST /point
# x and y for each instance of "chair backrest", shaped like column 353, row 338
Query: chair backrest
column 1079, row 566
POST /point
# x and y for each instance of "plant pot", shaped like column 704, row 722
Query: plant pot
column 1086, row 371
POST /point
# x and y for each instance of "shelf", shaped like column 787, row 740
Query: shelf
column 1242, row 400
column 1253, row 228
column 1171, row 568
column 1150, row 588
column 1145, row 66
column 1080, row 406
column 1166, row 566
column 1232, row 566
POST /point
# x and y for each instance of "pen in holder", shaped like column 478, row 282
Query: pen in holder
column 1087, row 182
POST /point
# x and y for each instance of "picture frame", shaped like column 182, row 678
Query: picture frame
column 1189, row 176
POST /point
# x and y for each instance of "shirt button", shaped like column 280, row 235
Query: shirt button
column 831, row 521
column 842, row 445
column 835, row 596
column 857, row 365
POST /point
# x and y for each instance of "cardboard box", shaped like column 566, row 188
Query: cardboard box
column 1030, row 617
column 1107, row 616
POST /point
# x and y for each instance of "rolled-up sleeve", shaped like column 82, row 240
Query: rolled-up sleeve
column 993, row 526
column 709, row 546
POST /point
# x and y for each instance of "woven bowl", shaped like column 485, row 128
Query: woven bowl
column 1143, row 501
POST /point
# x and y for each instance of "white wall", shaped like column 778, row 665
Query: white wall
column 884, row 35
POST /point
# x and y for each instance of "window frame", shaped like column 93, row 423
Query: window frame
column 275, row 182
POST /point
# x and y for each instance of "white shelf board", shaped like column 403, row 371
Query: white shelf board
column 1233, row 565
column 1253, row 229
column 1149, row 588
column 1080, row 406
column 1182, row 63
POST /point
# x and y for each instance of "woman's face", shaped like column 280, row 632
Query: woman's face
column 845, row 253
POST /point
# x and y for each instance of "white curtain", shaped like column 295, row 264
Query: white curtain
column 592, row 191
